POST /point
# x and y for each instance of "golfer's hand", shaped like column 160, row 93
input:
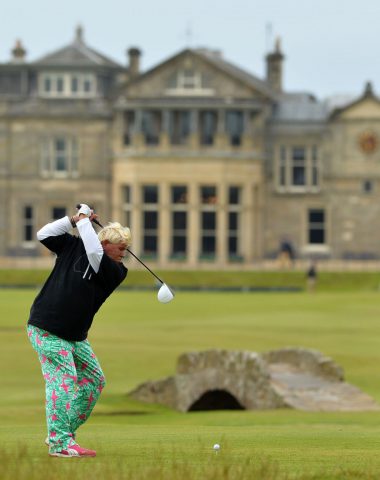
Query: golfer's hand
column 84, row 210
column 93, row 216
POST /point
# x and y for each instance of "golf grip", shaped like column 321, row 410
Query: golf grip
column 94, row 220
column 137, row 258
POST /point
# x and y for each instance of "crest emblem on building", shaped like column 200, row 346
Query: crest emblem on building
column 368, row 142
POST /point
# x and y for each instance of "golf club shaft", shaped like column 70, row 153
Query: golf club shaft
column 133, row 255
column 142, row 263
column 98, row 223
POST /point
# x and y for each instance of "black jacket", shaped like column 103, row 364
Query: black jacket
column 73, row 292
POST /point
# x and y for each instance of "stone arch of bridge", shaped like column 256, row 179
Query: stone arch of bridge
column 216, row 399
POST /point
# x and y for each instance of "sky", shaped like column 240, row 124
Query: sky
column 331, row 47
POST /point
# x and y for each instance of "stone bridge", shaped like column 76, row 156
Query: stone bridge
column 288, row 378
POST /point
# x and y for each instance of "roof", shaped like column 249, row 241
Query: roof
column 299, row 106
column 77, row 54
column 303, row 106
column 367, row 94
column 339, row 101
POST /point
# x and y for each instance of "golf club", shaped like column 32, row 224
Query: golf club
column 165, row 294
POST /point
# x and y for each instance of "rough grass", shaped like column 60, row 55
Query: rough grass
column 137, row 339
column 21, row 465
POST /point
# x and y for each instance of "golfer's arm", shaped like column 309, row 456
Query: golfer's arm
column 92, row 245
column 54, row 229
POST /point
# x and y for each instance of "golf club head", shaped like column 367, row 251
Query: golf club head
column 165, row 295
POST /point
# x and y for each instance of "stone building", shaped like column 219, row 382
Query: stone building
column 208, row 164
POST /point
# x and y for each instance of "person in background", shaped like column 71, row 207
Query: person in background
column 87, row 270
column 311, row 277
column 286, row 254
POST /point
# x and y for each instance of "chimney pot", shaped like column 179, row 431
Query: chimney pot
column 18, row 52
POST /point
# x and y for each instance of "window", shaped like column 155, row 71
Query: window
column 367, row 186
column 179, row 219
column 314, row 166
column 127, row 194
column 150, row 238
column 179, row 236
column 233, row 222
column 151, row 126
column 179, row 194
column 59, row 83
column 234, row 126
column 188, row 81
column 129, row 122
column 47, row 84
column 74, row 84
column 234, row 195
column 28, row 224
column 67, row 84
column 208, row 195
column 316, row 227
column 232, row 234
column 282, row 175
column 58, row 212
column 208, row 219
column 179, row 126
column 207, row 125
column 11, row 82
column 87, row 84
column 208, row 234
column 127, row 204
column 150, row 219
column 298, row 168
column 150, row 194
column 60, row 157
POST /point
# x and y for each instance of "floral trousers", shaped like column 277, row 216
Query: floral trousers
column 73, row 381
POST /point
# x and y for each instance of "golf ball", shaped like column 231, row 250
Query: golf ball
column 216, row 446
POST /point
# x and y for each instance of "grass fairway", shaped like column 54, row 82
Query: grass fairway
column 136, row 339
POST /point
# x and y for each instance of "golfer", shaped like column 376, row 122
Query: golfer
column 87, row 270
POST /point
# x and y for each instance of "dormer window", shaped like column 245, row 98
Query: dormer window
column 67, row 85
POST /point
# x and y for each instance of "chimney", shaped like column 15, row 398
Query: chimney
column 368, row 90
column 134, row 61
column 274, row 67
column 18, row 52
column 79, row 35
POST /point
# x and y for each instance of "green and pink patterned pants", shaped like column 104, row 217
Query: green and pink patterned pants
column 74, row 381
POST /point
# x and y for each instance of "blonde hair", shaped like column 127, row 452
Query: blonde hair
column 115, row 233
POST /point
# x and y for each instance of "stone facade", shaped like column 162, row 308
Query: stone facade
column 297, row 378
column 209, row 165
